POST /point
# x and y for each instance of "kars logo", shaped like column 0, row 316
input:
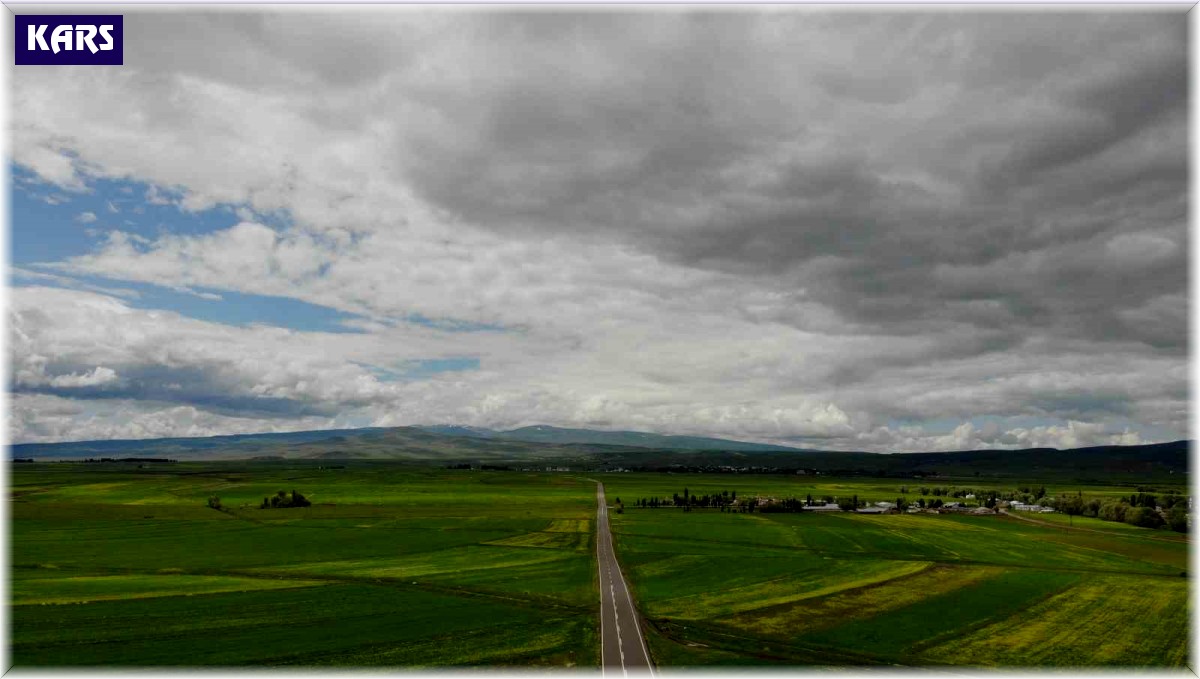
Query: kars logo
column 69, row 40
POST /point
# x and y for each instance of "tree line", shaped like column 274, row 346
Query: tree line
column 723, row 500
column 1139, row 509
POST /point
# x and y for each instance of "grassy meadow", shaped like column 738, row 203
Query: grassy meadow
column 803, row 589
column 393, row 565
column 115, row 565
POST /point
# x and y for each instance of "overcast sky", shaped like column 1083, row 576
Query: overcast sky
column 849, row 230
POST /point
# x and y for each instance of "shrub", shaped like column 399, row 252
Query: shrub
column 1177, row 519
column 1146, row 517
column 281, row 500
column 1112, row 510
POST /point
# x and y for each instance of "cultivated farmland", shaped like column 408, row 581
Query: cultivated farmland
column 814, row 588
column 125, row 564
column 114, row 565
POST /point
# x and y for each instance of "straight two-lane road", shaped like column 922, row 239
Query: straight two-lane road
column 622, row 647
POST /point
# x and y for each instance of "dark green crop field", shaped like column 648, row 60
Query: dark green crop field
column 119, row 565
column 723, row 588
column 114, row 565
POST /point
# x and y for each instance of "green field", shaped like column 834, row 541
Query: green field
column 115, row 565
column 112, row 565
column 915, row 590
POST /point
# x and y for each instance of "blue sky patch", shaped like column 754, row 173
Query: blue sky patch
column 50, row 223
column 411, row 371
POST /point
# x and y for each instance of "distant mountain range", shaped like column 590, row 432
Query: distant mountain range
column 386, row 442
column 586, row 449
column 545, row 434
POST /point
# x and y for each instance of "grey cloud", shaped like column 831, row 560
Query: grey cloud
column 722, row 154
column 894, row 214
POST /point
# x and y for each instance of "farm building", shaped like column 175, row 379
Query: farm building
column 1021, row 507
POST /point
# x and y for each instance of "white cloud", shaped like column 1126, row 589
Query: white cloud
column 96, row 377
column 802, row 255
column 86, row 217
column 967, row 436
column 43, row 418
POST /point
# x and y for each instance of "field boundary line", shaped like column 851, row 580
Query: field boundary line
column 1183, row 537
column 847, row 657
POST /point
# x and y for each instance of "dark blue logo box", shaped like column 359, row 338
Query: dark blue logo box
column 69, row 40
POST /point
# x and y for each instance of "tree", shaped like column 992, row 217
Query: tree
column 214, row 502
column 1113, row 510
column 281, row 500
column 1146, row 517
column 1177, row 519
column 848, row 504
column 1070, row 505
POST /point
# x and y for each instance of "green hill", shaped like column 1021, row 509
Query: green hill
column 639, row 439
column 584, row 450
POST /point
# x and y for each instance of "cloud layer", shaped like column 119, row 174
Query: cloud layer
column 860, row 230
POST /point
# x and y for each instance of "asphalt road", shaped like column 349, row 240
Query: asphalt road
column 622, row 647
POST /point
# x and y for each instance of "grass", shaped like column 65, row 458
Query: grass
column 1109, row 620
column 820, row 589
column 86, row 589
column 279, row 628
column 403, row 566
column 940, row 613
column 412, row 567
column 783, row 581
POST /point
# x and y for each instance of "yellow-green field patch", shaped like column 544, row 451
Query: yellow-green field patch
column 840, row 576
column 545, row 540
column 1106, row 620
column 569, row 526
column 457, row 560
column 918, row 522
column 73, row 590
column 819, row 612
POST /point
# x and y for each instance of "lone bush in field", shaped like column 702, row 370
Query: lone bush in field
column 214, row 502
column 282, row 501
